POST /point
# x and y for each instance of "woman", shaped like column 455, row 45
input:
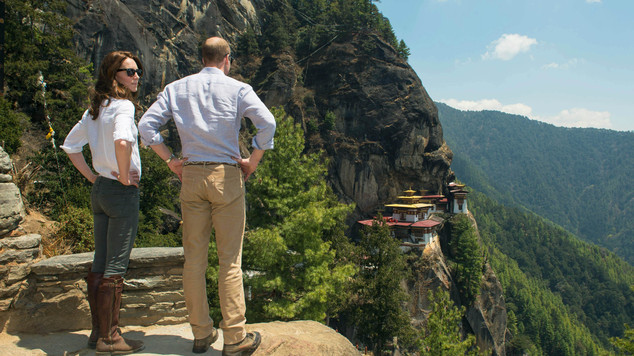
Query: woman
column 109, row 129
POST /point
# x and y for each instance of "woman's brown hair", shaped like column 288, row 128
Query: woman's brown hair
column 107, row 86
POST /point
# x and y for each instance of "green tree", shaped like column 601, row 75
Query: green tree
column 159, row 189
column 625, row 345
column 12, row 126
column 467, row 255
column 39, row 45
column 403, row 50
column 378, row 309
column 442, row 335
column 294, row 224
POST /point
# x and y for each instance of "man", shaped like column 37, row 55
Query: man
column 207, row 108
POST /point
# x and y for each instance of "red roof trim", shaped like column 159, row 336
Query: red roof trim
column 425, row 223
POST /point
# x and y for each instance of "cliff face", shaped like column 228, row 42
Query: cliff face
column 386, row 136
column 485, row 318
column 165, row 34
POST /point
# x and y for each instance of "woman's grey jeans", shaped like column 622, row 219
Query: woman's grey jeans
column 115, row 209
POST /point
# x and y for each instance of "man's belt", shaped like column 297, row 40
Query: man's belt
column 207, row 163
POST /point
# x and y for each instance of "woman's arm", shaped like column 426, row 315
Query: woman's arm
column 123, row 151
column 80, row 163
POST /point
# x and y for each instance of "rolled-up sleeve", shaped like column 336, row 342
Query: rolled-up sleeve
column 156, row 116
column 124, row 123
column 77, row 138
column 252, row 107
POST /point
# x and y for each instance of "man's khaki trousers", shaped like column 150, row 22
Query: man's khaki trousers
column 213, row 195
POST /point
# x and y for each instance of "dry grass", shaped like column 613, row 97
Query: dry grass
column 37, row 223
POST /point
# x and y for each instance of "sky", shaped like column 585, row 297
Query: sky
column 565, row 62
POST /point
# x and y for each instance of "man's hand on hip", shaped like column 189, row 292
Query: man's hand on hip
column 249, row 165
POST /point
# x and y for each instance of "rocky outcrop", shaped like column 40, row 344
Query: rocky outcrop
column 387, row 137
column 487, row 315
column 301, row 338
column 278, row 339
column 17, row 251
column 11, row 209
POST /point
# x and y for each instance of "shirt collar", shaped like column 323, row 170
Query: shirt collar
column 212, row 70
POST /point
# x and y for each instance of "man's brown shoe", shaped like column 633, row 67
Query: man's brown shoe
column 202, row 345
column 245, row 347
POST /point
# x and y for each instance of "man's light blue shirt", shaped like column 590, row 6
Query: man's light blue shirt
column 207, row 108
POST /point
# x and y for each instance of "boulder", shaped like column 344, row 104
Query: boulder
column 301, row 338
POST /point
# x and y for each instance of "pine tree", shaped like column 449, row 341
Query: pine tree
column 468, row 259
column 379, row 309
column 294, row 224
column 442, row 336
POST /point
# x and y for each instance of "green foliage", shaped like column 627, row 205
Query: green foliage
column 159, row 189
column 442, row 335
column 58, row 184
column 12, row 126
column 307, row 25
column 279, row 32
column 574, row 177
column 296, row 216
column 625, row 345
column 39, row 39
column 377, row 309
column 329, row 121
column 403, row 50
column 76, row 229
column 567, row 296
column 467, row 256
column 248, row 44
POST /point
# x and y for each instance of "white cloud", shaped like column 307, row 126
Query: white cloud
column 489, row 104
column 571, row 63
column 576, row 117
column 580, row 117
column 508, row 46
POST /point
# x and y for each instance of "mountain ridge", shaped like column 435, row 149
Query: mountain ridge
column 577, row 178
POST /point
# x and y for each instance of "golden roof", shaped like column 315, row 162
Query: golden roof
column 410, row 206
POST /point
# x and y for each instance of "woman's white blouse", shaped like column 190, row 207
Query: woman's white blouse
column 115, row 122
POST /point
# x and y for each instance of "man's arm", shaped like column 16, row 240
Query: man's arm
column 156, row 116
column 175, row 164
column 252, row 107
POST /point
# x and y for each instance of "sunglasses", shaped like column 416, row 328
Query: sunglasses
column 230, row 58
column 130, row 72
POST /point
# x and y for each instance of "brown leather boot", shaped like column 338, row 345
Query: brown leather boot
column 110, row 341
column 92, row 285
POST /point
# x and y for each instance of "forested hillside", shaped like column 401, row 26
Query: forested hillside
column 563, row 294
column 579, row 178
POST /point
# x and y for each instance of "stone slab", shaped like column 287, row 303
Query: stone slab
column 81, row 262
column 19, row 256
column 21, row 242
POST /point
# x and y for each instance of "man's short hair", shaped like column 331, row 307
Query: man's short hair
column 214, row 50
